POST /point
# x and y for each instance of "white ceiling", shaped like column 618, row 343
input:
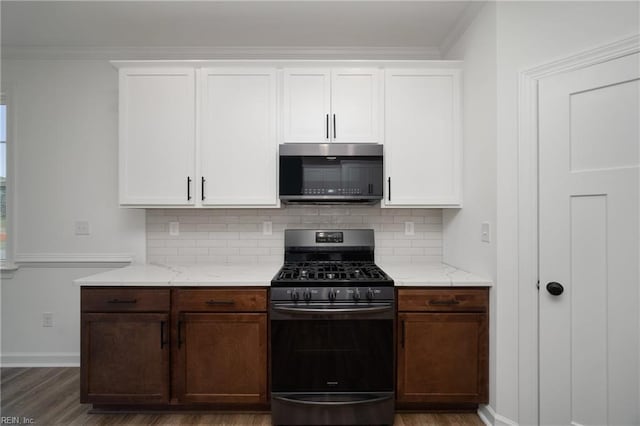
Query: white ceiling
column 419, row 25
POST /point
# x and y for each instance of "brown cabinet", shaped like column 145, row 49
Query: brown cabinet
column 220, row 346
column 142, row 346
column 124, row 346
column 443, row 346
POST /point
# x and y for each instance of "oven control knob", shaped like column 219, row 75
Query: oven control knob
column 356, row 295
column 332, row 294
column 295, row 296
column 370, row 294
column 307, row 295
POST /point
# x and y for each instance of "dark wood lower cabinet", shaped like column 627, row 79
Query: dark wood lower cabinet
column 207, row 347
column 222, row 358
column 179, row 347
column 125, row 358
column 443, row 347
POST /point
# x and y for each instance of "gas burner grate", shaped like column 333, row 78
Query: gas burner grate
column 328, row 271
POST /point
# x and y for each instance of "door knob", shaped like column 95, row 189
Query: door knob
column 556, row 289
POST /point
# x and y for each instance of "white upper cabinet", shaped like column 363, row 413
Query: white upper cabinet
column 423, row 153
column 238, row 144
column 332, row 105
column 157, row 136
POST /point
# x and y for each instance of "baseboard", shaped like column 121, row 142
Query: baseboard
column 43, row 359
column 490, row 418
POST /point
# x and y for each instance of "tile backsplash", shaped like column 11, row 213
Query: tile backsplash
column 236, row 235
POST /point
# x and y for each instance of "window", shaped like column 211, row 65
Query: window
column 3, row 181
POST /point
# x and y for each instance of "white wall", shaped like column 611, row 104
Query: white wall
column 66, row 136
column 525, row 34
column 531, row 34
column 462, row 245
column 64, row 132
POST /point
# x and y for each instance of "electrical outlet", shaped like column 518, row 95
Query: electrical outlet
column 485, row 232
column 267, row 228
column 47, row 319
column 82, row 227
column 409, row 228
column 174, row 229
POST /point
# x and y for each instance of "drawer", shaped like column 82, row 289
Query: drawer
column 220, row 300
column 443, row 300
column 124, row 300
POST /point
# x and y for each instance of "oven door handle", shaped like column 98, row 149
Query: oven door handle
column 333, row 403
column 314, row 311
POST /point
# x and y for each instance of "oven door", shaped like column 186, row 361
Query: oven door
column 337, row 348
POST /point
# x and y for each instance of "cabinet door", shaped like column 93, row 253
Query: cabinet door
column 157, row 136
column 222, row 358
column 442, row 358
column 238, row 145
column 306, row 103
column 355, row 105
column 422, row 138
column 125, row 358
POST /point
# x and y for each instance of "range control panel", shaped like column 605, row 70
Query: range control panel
column 329, row 237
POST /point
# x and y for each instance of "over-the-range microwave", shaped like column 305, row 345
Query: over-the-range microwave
column 331, row 173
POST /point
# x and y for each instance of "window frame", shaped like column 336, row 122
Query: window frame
column 7, row 264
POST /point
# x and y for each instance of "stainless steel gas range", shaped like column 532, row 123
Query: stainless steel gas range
column 332, row 321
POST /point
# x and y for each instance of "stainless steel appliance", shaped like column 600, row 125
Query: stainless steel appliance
column 331, row 173
column 332, row 319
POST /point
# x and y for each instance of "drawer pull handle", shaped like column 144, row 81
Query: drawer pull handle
column 129, row 301
column 444, row 302
column 220, row 302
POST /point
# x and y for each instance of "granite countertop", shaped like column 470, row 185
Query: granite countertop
column 221, row 275
column 185, row 275
column 432, row 275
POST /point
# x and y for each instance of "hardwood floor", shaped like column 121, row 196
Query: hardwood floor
column 50, row 396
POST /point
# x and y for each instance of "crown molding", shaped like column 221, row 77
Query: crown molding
column 221, row 52
column 460, row 26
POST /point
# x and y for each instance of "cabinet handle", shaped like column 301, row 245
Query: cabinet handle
column 327, row 127
column 389, row 188
column 448, row 302
column 202, row 187
column 220, row 302
column 402, row 335
column 179, row 333
column 162, row 341
column 370, row 188
column 188, row 188
column 130, row 301
column 334, row 127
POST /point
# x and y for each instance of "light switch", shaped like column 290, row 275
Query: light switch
column 174, row 229
column 82, row 227
column 485, row 232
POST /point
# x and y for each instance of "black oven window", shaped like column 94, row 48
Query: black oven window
column 332, row 355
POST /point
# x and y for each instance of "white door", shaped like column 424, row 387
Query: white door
column 355, row 105
column 238, row 146
column 157, row 136
column 589, row 233
column 422, row 138
column 307, row 105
